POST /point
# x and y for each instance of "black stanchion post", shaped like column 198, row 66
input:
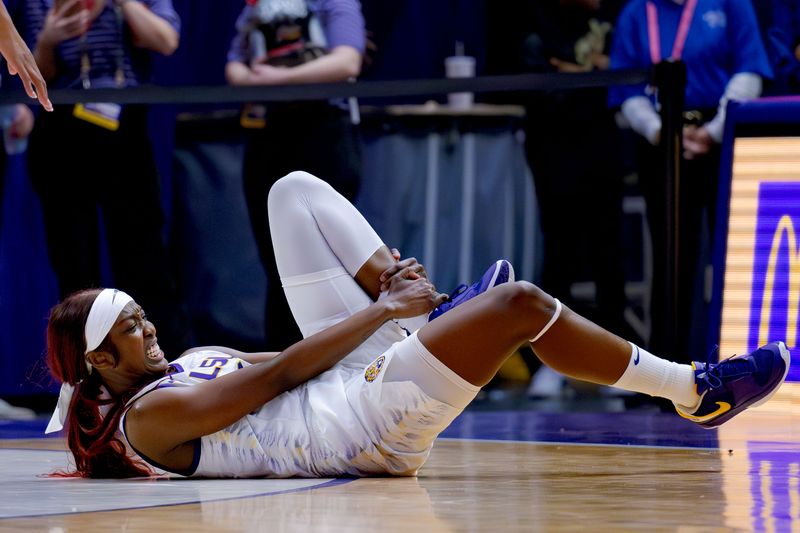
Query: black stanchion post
column 670, row 78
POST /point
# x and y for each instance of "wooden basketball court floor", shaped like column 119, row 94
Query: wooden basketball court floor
column 492, row 471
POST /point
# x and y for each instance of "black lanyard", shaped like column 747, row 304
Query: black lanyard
column 119, row 54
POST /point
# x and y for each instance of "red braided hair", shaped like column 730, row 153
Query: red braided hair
column 91, row 436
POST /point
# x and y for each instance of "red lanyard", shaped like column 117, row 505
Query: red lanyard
column 680, row 38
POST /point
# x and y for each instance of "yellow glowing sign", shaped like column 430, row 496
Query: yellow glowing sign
column 761, row 287
column 784, row 226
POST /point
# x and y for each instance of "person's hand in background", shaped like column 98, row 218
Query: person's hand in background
column 20, row 60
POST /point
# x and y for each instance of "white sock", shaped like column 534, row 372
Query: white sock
column 409, row 324
column 658, row 377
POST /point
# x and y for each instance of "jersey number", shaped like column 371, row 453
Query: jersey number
column 212, row 365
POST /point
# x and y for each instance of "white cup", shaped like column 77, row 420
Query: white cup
column 460, row 67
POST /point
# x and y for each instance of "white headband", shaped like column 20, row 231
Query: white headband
column 105, row 310
column 102, row 317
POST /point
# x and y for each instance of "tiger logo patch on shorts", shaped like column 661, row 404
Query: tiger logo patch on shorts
column 374, row 369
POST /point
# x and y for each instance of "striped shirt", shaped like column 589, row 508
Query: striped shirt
column 107, row 45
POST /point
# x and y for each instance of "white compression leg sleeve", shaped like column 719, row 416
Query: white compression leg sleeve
column 321, row 299
column 320, row 241
column 315, row 228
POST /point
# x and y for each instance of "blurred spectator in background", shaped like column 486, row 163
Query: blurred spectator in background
column 778, row 21
column 18, row 57
column 16, row 122
column 83, row 158
column 573, row 150
column 281, row 42
column 719, row 42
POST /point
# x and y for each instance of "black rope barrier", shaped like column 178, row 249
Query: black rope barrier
column 362, row 89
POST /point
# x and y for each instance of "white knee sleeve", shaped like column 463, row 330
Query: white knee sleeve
column 321, row 299
column 314, row 228
column 320, row 241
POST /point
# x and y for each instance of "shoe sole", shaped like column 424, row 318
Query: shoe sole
column 786, row 356
column 787, row 359
column 498, row 268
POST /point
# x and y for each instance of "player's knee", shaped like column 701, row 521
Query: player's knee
column 294, row 180
column 289, row 185
column 520, row 296
column 300, row 177
column 512, row 306
column 523, row 301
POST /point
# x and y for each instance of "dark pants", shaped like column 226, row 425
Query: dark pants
column 316, row 138
column 697, row 208
column 3, row 172
column 81, row 170
column 573, row 150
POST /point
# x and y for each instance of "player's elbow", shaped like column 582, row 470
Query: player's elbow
column 169, row 44
column 350, row 61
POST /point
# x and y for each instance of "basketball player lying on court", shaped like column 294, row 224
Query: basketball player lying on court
column 357, row 396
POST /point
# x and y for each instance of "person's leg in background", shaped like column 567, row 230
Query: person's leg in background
column 60, row 163
column 698, row 188
column 603, row 181
column 134, row 222
column 649, row 164
column 336, row 145
column 315, row 138
column 578, row 178
column 699, row 180
column 8, row 411
column 3, row 172
column 555, row 276
column 553, row 178
column 264, row 164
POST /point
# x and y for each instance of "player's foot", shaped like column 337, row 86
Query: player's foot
column 729, row 387
column 500, row 272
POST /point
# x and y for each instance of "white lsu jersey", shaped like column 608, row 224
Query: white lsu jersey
column 346, row 421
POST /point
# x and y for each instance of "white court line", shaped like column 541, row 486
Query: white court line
column 26, row 494
column 599, row 445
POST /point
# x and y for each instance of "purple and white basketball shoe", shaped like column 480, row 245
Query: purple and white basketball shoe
column 729, row 387
column 500, row 272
